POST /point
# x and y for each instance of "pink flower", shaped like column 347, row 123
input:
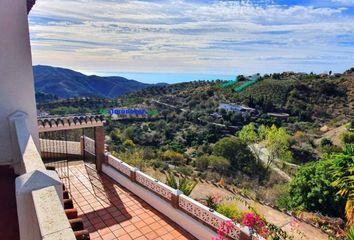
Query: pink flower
column 249, row 220
column 223, row 229
column 216, row 198
column 255, row 221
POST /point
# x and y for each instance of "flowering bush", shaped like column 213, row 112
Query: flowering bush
column 213, row 200
column 224, row 229
column 255, row 222
column 231, row 211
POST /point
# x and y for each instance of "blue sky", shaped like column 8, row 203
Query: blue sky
column 180, row 40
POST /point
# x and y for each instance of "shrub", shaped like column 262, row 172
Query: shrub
column 212, row 201
column 173, row 157
column 129, row 143
column 202, row 163
column 326, row 142
column 133, row 132
column 237, row 152
column 343, row 171
column 350, row 235
column 185, row 170
column 283, row 200
column 159, row 164
column 254, row 221
column 212, row 176
column 347, row 137
column 311, row 189
column 218, row 163
column 230, row 211
column 149, row 153
column 183, row 184
column 116, row 138
column 329, row 149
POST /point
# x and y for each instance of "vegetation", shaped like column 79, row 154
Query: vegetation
column 277, row 142
column 343, row 172
column 237, row 153
column 347, row 137
column 250, row 135
column 184, row 185
column 350, row 235
column 230, row 211
column 311, row 190
column 194, row 137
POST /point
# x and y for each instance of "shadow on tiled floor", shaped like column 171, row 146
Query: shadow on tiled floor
column 109, row 211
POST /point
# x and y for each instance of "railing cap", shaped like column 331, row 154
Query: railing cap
column 35, row 180
column 178, row 192
column 17, row 115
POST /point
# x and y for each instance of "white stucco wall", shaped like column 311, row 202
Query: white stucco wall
column 16, row 78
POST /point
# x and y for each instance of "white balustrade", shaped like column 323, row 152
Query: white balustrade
column 208, row 216
column 89, row 145
column 39, row 192
column 188, row 205
column 154, row 185
column 59, row 146
column 120, row 165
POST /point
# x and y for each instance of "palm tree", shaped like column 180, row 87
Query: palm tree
column 184, row 185
column 343, row 171
column 350, row 235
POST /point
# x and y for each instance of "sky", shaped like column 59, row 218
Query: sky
column 184, row 40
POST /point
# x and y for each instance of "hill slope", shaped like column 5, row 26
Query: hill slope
column 308, row 97
column 66, row 83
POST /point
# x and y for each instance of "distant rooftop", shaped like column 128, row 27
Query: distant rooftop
column 69, row 122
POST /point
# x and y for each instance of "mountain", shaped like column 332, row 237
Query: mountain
column 66, row 83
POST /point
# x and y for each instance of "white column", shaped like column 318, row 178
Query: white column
column 39, row 200
column 16, row 78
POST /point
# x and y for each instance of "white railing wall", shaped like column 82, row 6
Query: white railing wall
column 159, row 188
column 191, row 215
column 59, row 146
column 89, row 145
column 39, row 192
column 120, row 165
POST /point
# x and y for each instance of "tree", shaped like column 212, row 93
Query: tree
column 347, row 137
column 343, row 173
column 277, row 144
column 350, row 235
column 218, row 163
column 311, row 189
column 173, row 157
column 185, row 185
column 262, row 132
column 326, row 142
column 241, row 78
column 237, row 152
column 129, row 143
column 116, row 138
column 249, row 135
column 202, row 163
column 133, row 132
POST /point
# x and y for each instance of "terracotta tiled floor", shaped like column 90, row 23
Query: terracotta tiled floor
column 109, row 211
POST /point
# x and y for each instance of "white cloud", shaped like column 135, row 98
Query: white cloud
column 344, row 1
column 188, row 36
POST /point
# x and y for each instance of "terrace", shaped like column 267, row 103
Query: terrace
column 115, row 200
